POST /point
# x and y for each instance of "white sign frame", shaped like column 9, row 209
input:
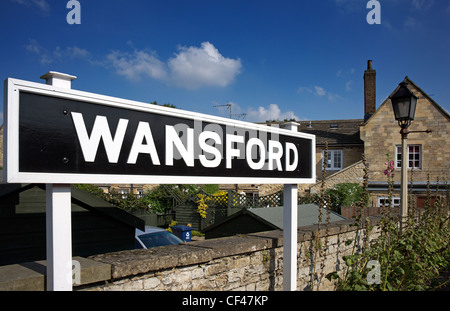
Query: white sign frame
column 11, row 141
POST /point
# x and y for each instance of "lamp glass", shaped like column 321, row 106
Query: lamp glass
column 401, row 108
column 412, row 107
column 404, row 103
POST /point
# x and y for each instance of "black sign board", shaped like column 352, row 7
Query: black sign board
column 67, row 136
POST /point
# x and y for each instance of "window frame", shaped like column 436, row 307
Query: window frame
column 331, row 157
column 395, row 201
column 398, row 152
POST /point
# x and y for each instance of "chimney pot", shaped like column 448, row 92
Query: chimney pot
column 369, row 91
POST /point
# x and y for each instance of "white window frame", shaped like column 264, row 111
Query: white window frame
column 395, row 201
column 398, row 160
column 124, row 193
column 331, row 165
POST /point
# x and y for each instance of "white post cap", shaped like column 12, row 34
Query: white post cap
column 58, row 79
column 291, row 125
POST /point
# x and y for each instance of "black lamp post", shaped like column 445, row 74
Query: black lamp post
column 404, row 104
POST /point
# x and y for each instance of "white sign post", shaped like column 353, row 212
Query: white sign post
column 59, row 218
column 59, row 136
column 290, row 211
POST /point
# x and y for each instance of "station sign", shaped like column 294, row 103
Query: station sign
column 58, row 135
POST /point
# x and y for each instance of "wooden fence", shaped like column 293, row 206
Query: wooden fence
column 353, row 211
column 220, row 207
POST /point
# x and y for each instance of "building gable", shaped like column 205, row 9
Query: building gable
column 381, row 137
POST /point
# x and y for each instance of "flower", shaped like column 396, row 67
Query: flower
column 389, row 171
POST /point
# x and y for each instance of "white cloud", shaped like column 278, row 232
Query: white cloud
column 349, row 6
column 319, row 91
column 348, row 85
column 134, row 65
column 316, row 90
column 256, row 114
column 34, row 47
column 196, row 67
column 409, row 22
column 422, row 5
column 42, row 5
column 47, row 56
column 76, row 52
column 304, row 89
column 273, row 112
column 190, row 68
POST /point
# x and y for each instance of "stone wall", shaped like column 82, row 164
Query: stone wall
column 351, row 174
column 251, row 262
column 244, row 262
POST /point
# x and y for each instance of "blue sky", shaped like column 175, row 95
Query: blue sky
column 270, row 59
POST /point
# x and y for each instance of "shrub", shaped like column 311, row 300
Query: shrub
column 343, row 194
column 410, row 255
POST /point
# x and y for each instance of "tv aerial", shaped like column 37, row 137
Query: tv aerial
column 229, row 105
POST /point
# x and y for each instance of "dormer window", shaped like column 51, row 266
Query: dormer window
column 334, row 126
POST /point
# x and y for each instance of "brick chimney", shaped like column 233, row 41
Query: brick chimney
column 369, row 90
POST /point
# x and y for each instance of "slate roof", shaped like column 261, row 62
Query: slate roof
column 85, row 200
column 308, row 214
column 335, row 132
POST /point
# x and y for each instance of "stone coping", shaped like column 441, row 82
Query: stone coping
column 31, row 276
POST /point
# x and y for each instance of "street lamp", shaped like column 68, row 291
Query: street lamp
column 404, row 104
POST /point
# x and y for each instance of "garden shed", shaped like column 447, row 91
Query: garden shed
column 97, row 226
column 263, row 219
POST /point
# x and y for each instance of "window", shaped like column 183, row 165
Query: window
column 334, row 126
column 414, row 156
column 140, row 193
column 384, row 201
column 334, row 161
column 124, row 193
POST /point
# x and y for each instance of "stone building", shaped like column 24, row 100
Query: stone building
column 345, row 148
column 427, row 152
column 125, row 189
column 376, row 136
